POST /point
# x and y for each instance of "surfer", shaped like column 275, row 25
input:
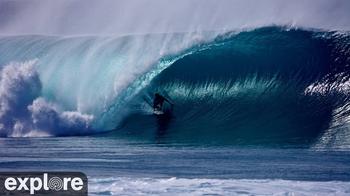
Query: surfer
column 163, row 116
column 158, row 102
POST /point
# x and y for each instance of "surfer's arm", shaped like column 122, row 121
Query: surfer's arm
column 171, row 103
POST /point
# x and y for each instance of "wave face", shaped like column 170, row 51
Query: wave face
column 270, row 84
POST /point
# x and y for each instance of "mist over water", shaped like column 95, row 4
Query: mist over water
column 105, row 17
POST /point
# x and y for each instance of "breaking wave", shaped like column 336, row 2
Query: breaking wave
column 272, row 84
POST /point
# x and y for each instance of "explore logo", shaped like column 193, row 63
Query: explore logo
column 44, row 183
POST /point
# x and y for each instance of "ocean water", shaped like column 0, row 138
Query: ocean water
column 125, row 167
column 260, row 111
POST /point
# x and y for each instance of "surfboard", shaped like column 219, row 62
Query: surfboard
column 158, row 112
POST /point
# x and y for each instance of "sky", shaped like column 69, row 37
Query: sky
column 120, row 17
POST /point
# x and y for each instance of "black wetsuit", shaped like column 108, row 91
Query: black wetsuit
column 158, row 102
